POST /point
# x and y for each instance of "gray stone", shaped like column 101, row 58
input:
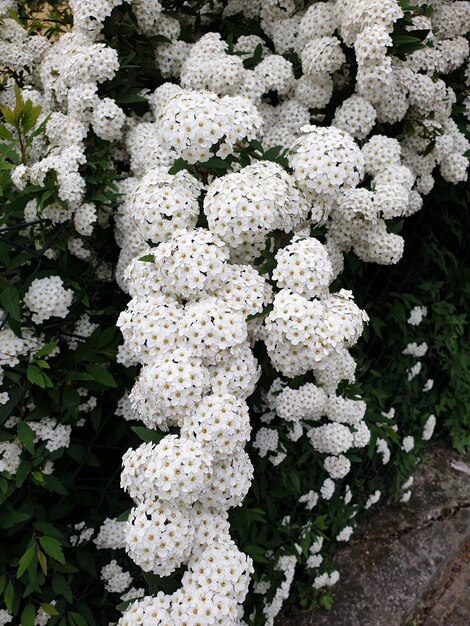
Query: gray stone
column 404, row 553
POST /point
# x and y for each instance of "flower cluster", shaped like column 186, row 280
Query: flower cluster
column 243, row 182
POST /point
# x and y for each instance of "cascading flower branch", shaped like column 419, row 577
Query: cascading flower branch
column 193, row 290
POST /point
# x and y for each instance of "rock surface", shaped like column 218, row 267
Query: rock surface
column 399, row 568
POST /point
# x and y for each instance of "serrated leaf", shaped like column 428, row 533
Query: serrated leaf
column 46, row 349
column 53, row 548
column 8, row 115
column 124, row 516
column 10, row 518
column 26, row 436
column 148, row 435
column 51, row 483
column 101, row 375
column 22, row 473
column 178, row 165
column 61, row 587
column 78, row 619
column 5, row 133
column 9, row 597
column 38, row 377
column 25, row 560
column 47, row 529
column 42, row 561
column 30, row 116
column 49, row 609
column 10, row 301
column 28, row 615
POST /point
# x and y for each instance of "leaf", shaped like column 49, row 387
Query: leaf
column 22, row 473
column 216, row 163
column 30, row 116
column 28, row 615
column 8, row 115
column 123, row 605
column 326, row 602
column 51, row 483
column 257, row 553
column 101, row 375
column 11, row 518
column 25, row 560
column 9, row 597
column 148, row 258
column 10, row 300
column 5, row 133
column 61, row 587
column 78, row 619
column 130, row 98
column 124, row 516
column 38, row 377
column 86, row 561
column 178, row 165
column 148, row 435
column 49, row 609
column 53, row 548
column 42, row 561
column 26, row 436
column 46, row 349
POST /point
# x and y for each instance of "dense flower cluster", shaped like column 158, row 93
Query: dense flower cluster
column 220, row 252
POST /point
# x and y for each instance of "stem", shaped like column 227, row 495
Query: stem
column 24, row 156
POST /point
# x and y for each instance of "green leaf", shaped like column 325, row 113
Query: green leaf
column 5, row 133
column 30, row 116
column 178, row 165
column 42, row 561
column 10, row 301
column 47, row 529
column 216, row 163
column 148, row 435
column 51, row 483
column 257, row 553
column 53, row 548
column 26, row 436
column 9, row 597
column 10, row 518
column 28, row 615
column 38, row 377
column 25, row 560
column 8, row 115
column 61, row 587
column 130, row 98
column 101, row 375
column 46, row 349
column 78, row 619
column 22, row 473
column 326, row 601
column 124, row 516
column 49, row 609
column 123, row 605
column 148, row 258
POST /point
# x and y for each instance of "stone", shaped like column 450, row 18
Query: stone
column 404, row 553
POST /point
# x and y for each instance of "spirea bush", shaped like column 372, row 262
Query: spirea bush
column 187, row 188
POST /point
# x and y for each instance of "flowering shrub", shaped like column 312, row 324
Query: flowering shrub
column 243, row 154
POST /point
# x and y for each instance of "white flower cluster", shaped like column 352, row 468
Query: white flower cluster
column 115, row 578
column 47, row 297
column 192, row 288
column 62, row 78
column 310, row 334
column 186, row 324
